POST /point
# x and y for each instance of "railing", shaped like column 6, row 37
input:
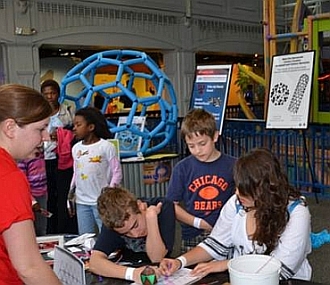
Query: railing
column 305, row 154
column 235, row 111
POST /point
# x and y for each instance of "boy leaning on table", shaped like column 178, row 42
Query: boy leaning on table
column 142, row 230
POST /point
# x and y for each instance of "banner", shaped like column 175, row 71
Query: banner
column 210, row 90
column 157, row 172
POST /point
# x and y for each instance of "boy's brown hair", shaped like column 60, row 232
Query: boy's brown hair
column 198, row 122
column 115, row 206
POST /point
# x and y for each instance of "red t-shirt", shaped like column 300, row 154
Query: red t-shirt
column 15, row 207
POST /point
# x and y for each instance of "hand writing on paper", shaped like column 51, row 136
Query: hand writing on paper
column 168, row 266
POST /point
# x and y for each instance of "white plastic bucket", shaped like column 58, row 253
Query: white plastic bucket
column 243, row 270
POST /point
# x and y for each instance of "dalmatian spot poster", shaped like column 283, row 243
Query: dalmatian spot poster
column 290, row 91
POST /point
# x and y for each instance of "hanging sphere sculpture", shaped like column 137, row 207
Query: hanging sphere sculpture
column 134, row 140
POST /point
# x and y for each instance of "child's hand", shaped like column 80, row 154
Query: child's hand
column 142, row 206
column 72, row 195
column 53, row 135
column 205, row 226
column 206, row 268
column 71, row 208
column 168, row 266
column 154, row 210
column 36, row 206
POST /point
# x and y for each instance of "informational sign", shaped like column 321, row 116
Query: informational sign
column 157, row 172
column 210, row 91
column 290, row 91
column 129, row 141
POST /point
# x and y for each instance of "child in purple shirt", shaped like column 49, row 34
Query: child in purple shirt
column 35, row 171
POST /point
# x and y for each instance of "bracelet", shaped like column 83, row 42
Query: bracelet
column 197, row 222
column 129, row 273
column 183, row 261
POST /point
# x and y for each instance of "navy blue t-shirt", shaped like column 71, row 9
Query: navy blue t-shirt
column 109, row 240
column 203, row 187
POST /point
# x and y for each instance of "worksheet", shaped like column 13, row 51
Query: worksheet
column 68, row 268
column 181, row 277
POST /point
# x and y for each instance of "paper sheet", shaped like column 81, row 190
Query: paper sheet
column 181, row 277
column 80, row 239
column 68, row 268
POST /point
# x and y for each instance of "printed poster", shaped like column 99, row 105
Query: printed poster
column 210, row 90
column 128, row 140
column 157, row 172
column 290, row 91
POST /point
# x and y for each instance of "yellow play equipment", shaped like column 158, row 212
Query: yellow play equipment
column 271, row 37
column 241, row 100
column 314, row 28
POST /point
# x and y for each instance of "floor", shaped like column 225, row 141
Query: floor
column 319, row 258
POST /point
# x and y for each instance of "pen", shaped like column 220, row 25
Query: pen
column 169, row 266
column 100, row 278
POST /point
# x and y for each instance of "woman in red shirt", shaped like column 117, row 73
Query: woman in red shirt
column 24, row 116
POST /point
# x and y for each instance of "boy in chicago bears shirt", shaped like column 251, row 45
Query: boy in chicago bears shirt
column 202, row 182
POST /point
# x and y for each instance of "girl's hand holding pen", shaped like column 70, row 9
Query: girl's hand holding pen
column 168, row 266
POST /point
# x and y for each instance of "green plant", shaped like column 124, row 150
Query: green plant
column 242, row 81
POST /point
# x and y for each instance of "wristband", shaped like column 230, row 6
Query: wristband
column 197, row 222
column 183, row 261
column 129, row 273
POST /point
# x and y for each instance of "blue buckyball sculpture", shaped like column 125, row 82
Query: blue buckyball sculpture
column 154, row 136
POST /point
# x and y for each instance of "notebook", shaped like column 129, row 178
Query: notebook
column 68, row 267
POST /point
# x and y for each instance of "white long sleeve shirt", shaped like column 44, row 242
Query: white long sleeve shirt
column 229, row 234
column 95, row 166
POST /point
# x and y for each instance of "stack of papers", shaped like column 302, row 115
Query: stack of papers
column 79, row 240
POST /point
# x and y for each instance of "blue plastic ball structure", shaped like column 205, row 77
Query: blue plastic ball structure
column 155, row 136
